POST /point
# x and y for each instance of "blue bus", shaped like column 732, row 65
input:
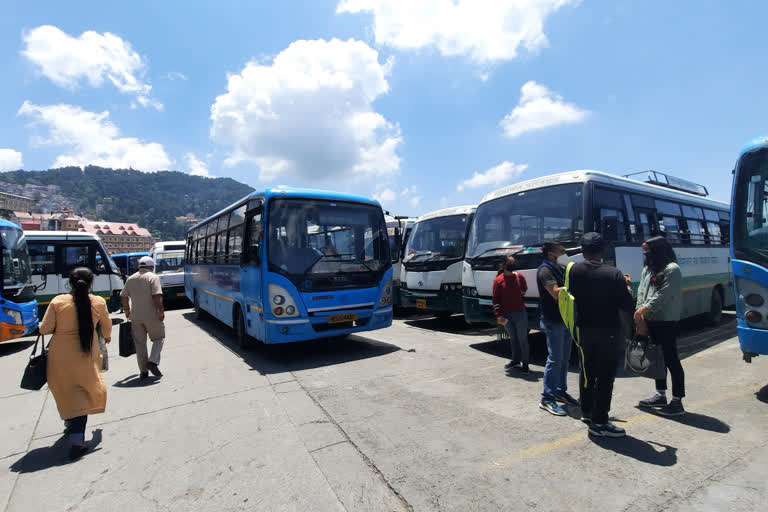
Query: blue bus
column 749, row 246
column 128, row 262
column 18, row 307
column 289, row 265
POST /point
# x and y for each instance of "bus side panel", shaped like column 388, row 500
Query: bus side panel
column 252, row 292
column 220, row 287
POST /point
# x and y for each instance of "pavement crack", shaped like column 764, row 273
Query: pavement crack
column 327, row 446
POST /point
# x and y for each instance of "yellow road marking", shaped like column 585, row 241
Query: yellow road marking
column 550, row 446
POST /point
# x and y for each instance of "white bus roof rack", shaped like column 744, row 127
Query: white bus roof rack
column 665, row 180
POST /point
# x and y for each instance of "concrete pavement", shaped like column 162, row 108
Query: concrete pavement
column 417, row 417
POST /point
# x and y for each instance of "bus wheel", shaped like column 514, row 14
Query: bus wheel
column 715, row 308
column 243, row 340
column 199, row 313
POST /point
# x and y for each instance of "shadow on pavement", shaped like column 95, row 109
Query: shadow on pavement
column 694, row 419
column 51, row 456
column 694, row 335
column 8, row 348
column 305, row 355
column 638, row 449
column 762, row 395
column 454, row 324
column 133, row 381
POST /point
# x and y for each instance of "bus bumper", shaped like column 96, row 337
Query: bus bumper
column 436, row 301
column 305, row 329
column 174, row 293
column 113, row 302
column 753, row 342
column 12, row 330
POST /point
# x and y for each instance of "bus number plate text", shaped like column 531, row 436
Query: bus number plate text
column 421, row 303
column 338, row 319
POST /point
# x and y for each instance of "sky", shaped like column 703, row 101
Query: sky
column 422, row 104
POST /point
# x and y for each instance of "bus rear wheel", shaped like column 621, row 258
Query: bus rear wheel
column 243, row 340
column 199, row 313
column 715, row 314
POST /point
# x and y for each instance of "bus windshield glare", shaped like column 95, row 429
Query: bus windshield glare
column 441, row 238
column 528, row 218
column 324, row 237
column 16, row 271
column 169, row 264
column 750, row 200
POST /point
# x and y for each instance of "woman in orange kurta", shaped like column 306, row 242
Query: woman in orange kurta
column 74, row 357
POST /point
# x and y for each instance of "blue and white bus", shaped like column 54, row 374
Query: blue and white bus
column 288, row 265
column 18, row 307
column 749, row 246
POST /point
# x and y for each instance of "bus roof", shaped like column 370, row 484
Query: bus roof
column 8, row 224
column 283, row 191
column 586, row 175
column 129, row 254
column 756, row 143
column 446, row 212
column 62, row 235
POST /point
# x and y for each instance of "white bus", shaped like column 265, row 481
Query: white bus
column 431, row 274
column 518, row 219
column 169, row 266
column 398, row 231
column 53, row 255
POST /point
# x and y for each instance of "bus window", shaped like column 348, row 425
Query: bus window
column 645, row 227
column 43, row 258
column 695, row 231
column 692, row 212
column 74, row 256
column 210, row 248
column 725, row 227
column 221, row 247
column 612, row 225
column 668, row 208
column 254, row 237
column 670, row 229
column 713, row 228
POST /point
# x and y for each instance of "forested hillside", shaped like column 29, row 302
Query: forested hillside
column 153, row 200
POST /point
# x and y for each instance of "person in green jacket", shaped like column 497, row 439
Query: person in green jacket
column 659, row 302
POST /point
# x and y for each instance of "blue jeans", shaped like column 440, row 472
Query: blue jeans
column 517, row 332
column 559, row 353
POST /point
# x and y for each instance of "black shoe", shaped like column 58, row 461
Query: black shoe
column 143, row 375
column 511, row 364
column 565, row 398
column 154, row 369
column 673, row 408
column 657, row 400
column 586, row 419
column 525, row 370
column 606, row 430
column 77, row 450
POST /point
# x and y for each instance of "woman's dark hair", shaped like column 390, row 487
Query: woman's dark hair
column 80, row 281
column 660, row 254
column 503, row 263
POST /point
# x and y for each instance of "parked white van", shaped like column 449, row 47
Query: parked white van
column 169, row 265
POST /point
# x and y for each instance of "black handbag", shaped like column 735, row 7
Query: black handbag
column 643, row 358
column 35, row 374
column 127, row 347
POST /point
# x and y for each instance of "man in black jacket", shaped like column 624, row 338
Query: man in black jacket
column 601, row 293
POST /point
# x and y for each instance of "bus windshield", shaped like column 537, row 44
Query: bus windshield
column 325, row 237
column 528, row 218
column 169, row 263
column 441, row 238
column 750, row 205
column 16, row 271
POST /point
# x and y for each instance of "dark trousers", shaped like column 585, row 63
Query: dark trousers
column 76, row 425
column 597, row 350
column 665, row 334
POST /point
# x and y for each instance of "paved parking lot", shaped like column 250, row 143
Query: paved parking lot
column 420, row 416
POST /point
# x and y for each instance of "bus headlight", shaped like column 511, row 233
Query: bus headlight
column 15, row 315
column 754, row 300
column 386, row 295
column 753, row 317
column 283, row 299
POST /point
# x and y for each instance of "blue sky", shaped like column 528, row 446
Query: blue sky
column 421, row 104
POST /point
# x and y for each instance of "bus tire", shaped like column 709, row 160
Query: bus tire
column 238, row 322
column 715, row 314
column 200, row 314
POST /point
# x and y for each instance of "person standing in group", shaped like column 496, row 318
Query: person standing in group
column 74, row 357
column 601, row 293
column 659, row 302
column 142, row 299
column 550, row 278
column 509, row 289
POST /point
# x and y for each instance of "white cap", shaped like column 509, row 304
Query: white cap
column 146, row 261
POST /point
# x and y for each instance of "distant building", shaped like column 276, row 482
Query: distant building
column 46, row 221
column 118, row 237
column 12, row 202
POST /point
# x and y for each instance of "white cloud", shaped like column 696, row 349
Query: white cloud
column 540, row 108
column 196, row 166
column 10, row 160
column 175, row 75
column 308, row 114
column 385, row 196
column 92, row 57
column 94, row 140
column 484, row 30
column 415, row 201
column 496, row 175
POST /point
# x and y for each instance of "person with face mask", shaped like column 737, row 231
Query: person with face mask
column 550, row 278
column 509, row 289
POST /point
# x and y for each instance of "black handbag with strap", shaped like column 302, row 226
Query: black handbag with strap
column 36, row 373
column 127, row 347
column 644, row 358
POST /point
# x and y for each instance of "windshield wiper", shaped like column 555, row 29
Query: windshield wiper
column 511, row 250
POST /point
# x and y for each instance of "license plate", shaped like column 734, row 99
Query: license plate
column 182, row 294
column 345, row 317
column 421, row 303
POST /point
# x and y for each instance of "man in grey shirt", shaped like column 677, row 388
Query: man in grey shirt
column 142, row 299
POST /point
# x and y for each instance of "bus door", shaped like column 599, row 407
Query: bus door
column 251, row 265
column 42, row 256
